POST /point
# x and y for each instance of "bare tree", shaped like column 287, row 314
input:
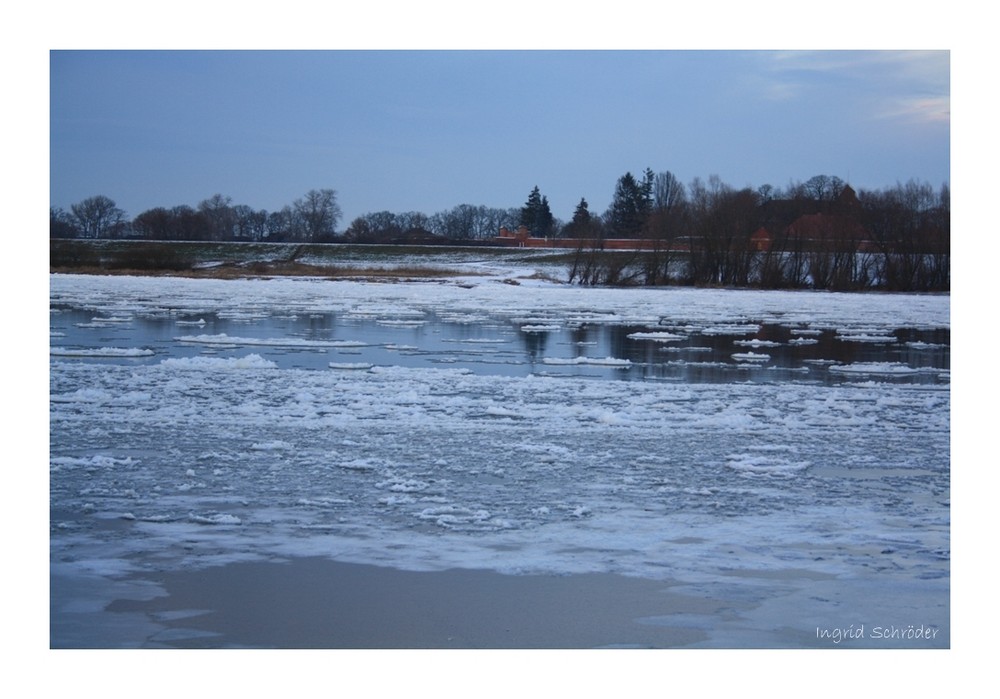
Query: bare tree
column 220, row 217
column 668, row 192
column 155, row 224
column 665, row 227
column 250, row 224
column 62, row 224
column 318, row 214
column 98, row 217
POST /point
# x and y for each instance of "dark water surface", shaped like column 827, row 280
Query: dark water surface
column 768, row 352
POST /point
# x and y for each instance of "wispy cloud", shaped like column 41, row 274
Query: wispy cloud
column 918, row 109
column 914, row 86
column 922, row 66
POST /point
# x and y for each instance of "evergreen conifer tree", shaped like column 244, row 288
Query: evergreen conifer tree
column 632, row 203
column 580, row 225
column 536, row 215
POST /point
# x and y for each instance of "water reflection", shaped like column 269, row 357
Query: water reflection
column 770, row 353
column 534, row 344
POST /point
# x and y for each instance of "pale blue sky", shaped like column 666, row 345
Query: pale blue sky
column 428, row 130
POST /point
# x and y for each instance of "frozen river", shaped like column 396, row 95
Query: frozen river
column 788, row 451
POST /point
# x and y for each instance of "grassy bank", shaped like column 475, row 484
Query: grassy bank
column 233, row 260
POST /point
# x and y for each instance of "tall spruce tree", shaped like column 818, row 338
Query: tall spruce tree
column 632, row 203
column 536, row 215
column 581, row 225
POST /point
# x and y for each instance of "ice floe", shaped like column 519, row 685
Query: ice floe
column 596, row 361
column 249, row 362
column 215, row 518
column 884, row 368
column 528, row 328
column 731, row 329
column 866, row 337
column 751, row 357
column 273, row 445
column 656, row 336
column 100, row 352
column 765, row 465
column 714, row 309
column 756, row 343
column 223, row 339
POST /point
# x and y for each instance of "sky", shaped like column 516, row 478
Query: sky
column 427, row 130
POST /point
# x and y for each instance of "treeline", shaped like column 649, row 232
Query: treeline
column 815, row 234
column 462, row 223
column 820, row 234
column 313, row 218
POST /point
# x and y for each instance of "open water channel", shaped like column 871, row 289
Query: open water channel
column 674, row 352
